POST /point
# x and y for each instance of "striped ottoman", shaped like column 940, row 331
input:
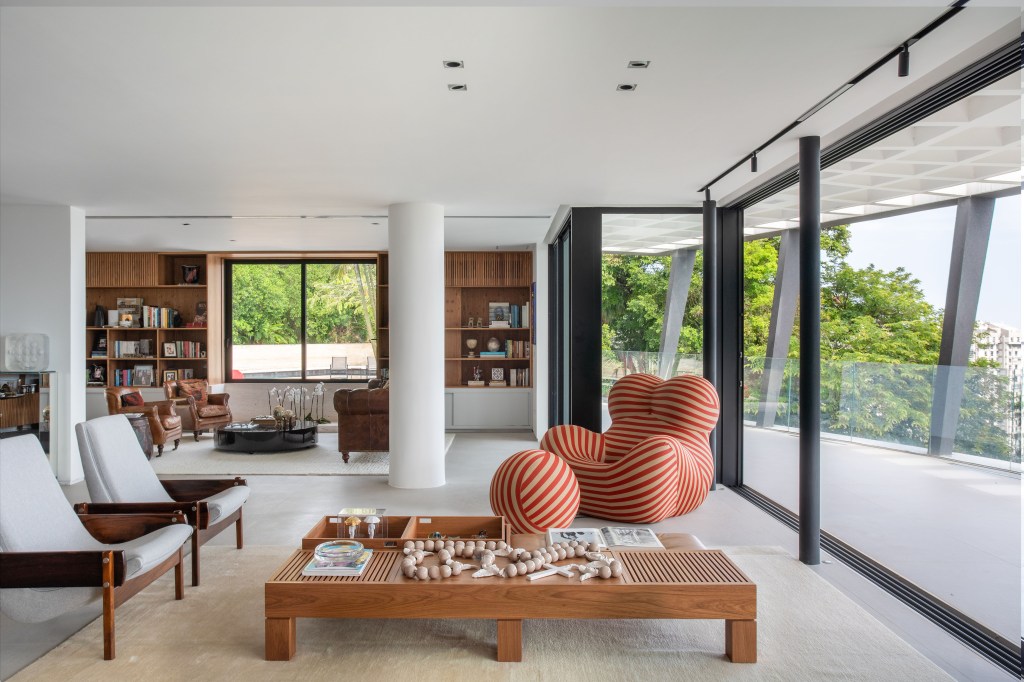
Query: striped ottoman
column 535, row 490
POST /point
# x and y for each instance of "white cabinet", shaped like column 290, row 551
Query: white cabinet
column 501, row 408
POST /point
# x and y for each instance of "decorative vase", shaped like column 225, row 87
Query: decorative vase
column 471, row 344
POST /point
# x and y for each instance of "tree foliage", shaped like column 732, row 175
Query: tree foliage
column 266, row 305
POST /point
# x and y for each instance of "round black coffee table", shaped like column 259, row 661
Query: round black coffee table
column 265, row 439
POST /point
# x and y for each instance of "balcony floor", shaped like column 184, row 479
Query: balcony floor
column 952, row 529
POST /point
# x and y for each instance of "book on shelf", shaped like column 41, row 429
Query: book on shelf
column 343, row 567
column 492, row 353
column 608, row 536
column 499, row 324
column 496, row 384
column 475, row 384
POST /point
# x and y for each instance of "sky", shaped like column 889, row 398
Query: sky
column 921, row 242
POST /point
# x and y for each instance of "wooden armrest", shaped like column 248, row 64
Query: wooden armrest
column 59, row 569
column 196, row 513
column 188, row 489
column 113, row 528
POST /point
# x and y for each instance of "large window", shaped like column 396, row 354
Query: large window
column 301, row 320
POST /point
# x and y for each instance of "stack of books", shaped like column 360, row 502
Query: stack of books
column 341, row 567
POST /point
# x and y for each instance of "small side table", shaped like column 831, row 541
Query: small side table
column 140, row 424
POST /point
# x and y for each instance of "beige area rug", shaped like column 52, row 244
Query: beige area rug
column 323, row 460
column 807, row 630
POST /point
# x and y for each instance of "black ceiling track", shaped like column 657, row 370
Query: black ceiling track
column 999, row 64
column 984, row 641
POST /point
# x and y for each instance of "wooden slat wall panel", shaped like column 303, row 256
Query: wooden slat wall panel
column 488, row 269
column 122, row 269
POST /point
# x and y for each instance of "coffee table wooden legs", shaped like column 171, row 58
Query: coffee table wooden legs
column 741, row 641
column 280, row 639
column 510, row 641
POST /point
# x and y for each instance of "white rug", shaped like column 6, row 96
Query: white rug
column 323, row 460
column 807, row 630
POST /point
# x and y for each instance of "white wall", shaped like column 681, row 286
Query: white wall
column 42, row 290
column 541, row 350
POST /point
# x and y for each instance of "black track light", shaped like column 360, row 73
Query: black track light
column 707, row 194
column 753, row 162
column 903, row 68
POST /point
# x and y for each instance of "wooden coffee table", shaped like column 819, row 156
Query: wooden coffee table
column 678, row 582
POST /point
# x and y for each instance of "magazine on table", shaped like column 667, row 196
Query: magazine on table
column 609, row 536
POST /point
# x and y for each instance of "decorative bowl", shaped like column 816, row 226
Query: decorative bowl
column 337, row 550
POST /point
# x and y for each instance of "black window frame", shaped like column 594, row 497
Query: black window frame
column 229, row 317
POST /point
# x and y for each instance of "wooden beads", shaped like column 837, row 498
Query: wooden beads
column 521, row 562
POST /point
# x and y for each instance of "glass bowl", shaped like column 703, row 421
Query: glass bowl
column 338, row 550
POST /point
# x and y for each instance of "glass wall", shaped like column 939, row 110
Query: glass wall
column 920, row 463
column 651, row 286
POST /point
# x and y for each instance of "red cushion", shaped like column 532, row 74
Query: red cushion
column 197, row 388
column 535, row 490
column 133, row 399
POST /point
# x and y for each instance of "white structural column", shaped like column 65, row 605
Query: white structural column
column 42, row 290
column 416, row 322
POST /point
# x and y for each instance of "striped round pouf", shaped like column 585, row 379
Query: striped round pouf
column 535, row 490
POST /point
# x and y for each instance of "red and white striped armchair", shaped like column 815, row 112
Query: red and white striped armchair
column 654, row 461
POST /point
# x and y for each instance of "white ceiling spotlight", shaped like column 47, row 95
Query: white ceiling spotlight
column 458, row 87
column 626, row 87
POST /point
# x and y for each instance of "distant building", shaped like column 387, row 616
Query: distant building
column 999, row 344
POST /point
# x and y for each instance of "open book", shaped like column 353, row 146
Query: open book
column 609, row 536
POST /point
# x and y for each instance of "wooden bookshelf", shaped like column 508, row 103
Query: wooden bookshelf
column 157, row 279
column 472, row 280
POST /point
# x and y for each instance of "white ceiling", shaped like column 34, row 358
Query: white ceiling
column 340, row 111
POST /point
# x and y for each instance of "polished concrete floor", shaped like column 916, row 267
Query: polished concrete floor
column 282, row 508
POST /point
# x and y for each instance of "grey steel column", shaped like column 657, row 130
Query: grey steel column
column 810, row 350
column 780, row 326
column 712, row 322
column 730, row 424
column 679, row 277
column 966, row 267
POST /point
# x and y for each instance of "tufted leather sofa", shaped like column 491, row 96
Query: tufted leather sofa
column 363, row 421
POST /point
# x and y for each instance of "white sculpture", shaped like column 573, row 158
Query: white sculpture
column 29, row 352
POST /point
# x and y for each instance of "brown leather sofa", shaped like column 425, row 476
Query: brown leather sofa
column 206, row 414
column 363, row 420
column 163, row 419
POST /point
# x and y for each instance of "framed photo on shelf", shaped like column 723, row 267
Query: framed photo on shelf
column 187, row 373
column 498, row 312
column 170, row 375
column 497, row 374
column 170, row 350
column 142, row 375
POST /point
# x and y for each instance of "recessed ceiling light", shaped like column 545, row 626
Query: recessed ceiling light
column 458, row 87
column 186, row 224
column 626, row 87
column 453, row 64
column 637, row 64
column 375, row 223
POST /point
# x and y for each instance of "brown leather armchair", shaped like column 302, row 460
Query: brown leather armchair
column 206, row 414
column 163, row 419
column 363, row 420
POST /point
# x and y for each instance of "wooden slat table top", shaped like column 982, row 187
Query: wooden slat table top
column 652, row 567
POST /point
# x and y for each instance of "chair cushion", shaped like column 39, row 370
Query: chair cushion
column 207, row 411
column 535, row 490
column 145, row 553
column 197, row 388
column 170, row 422
column 226, row 502
column 133, row 399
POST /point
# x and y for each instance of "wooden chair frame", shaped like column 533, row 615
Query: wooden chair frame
column 188, row 495
column 105, row 569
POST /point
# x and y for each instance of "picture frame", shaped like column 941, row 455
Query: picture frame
column 498, row 311
column 170, row 375
column 142, row 375
column 186, row 373
column 497, row 374
column 170, row 350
